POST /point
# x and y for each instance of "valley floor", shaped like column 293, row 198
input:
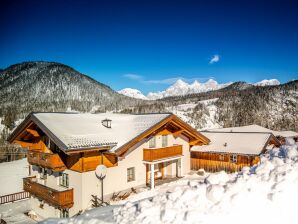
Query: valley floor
column 265, row 193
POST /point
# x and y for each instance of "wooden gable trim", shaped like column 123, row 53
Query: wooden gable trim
column 190, row 130
column 31, row 119
column 171, row 118
column 143, row 135
column 271, row 138
column 20, row 129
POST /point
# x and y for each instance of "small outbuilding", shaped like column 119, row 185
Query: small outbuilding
column 231, row 151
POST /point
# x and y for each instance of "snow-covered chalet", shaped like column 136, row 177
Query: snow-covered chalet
column 64, row 150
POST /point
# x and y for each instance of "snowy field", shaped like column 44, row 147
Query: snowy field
column 265, row 193
column 11, row 176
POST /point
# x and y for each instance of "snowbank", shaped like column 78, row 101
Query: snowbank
column 11, row 176
column 266, row 193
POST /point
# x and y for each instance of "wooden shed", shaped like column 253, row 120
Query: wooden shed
column 231, row 151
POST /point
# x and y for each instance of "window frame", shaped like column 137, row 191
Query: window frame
column 152, row 142
column 64, row 180
column 233, row 158
column 43, row 174
column 221, row 157
column 131, row 174
column 164, row 141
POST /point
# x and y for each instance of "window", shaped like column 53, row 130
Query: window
column 164, row 140
column 64, row 180
column 152, row 142
column 43, row 174
column 130, row 174
column 233, row 158
column 64, row 213
column 221, row 157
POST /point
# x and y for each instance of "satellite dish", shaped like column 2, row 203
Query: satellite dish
column 101, row 171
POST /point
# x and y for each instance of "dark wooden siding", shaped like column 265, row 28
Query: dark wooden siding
column 214, row 162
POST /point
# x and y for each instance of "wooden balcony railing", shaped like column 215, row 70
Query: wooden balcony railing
column 14, row 197
column 59, row 199
column 162, row 153
column 47, row 160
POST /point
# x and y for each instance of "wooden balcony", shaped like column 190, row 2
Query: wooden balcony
column 162, row 153
column 58, row 199
column 47, row 160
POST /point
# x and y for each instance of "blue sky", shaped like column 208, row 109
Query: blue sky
column 149, row 44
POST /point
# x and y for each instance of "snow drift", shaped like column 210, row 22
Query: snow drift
column 265, row 193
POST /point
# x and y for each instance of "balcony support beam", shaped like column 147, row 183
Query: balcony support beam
column 152, row 176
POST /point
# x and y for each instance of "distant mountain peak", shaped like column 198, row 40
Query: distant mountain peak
column 268, row 82
column 180, row 82
column 134, row 93
column 184, row 88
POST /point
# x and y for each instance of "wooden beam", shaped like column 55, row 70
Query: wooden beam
column 177, row 133
column 22, row 143
column 33, row 132
column 194, row 142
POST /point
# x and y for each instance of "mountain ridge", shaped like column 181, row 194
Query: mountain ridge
column 51, row 86
column 180, row 88
column 55, row 87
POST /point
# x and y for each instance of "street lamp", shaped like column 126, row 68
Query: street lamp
column 100, row 172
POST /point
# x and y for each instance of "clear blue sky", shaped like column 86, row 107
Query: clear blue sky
column 142, row 44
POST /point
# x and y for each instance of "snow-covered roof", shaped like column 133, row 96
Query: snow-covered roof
column 238, row 143
column 255, row 128
column 86, row 130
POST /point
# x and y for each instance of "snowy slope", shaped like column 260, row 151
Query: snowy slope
column 188, row 112
column 11, row 176
column 134, row 93
column 266, row 82
column 266, row 192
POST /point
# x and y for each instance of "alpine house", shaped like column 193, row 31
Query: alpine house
column 64, row 150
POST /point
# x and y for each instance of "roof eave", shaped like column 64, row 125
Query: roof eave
column 19, row 128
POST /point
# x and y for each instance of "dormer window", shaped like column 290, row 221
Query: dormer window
column 107, row 123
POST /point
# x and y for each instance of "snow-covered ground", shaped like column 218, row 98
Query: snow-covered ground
column 265, row 193
column 14, row 212
column 11, row 174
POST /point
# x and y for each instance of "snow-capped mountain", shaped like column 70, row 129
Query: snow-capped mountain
column 268, row 82
column 134, row 93
column 179, row 88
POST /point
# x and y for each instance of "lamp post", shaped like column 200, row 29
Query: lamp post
column 101, row 172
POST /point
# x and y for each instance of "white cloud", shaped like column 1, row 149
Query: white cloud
column 133, row 77
column 167, row 81
column 214, row 59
